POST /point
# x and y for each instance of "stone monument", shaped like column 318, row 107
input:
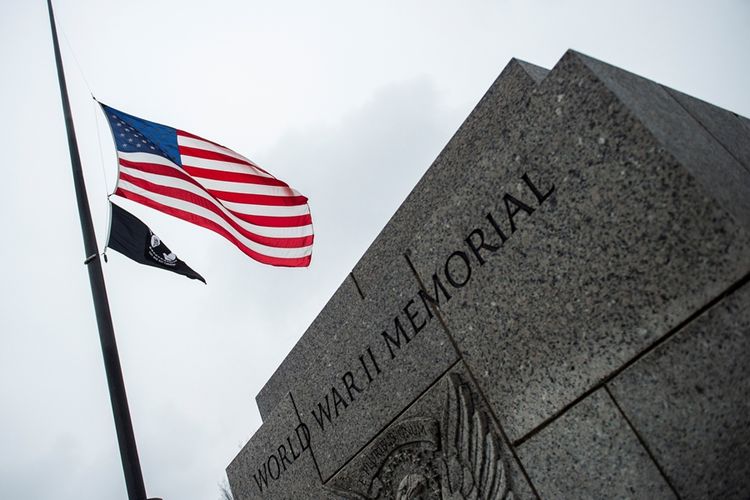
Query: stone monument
column 560, row 309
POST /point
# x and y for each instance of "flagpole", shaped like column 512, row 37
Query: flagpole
column 118, row 398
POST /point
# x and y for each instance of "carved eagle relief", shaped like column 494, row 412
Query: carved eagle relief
column 458, row 459
column 474, row 469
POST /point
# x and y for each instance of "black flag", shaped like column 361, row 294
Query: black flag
column 132, row 238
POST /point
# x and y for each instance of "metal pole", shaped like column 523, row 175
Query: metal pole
column 125, row 437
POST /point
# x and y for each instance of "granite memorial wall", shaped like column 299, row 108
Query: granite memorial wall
column 559, row 309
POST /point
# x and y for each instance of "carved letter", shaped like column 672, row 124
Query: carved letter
column 449, row 277
column 412, row 316
column 323, row 413
column 348, row 380
column 495, row 225
column 263, row 476
column 270, row 469
column 508, row 199
column 539, row 196
column 475, row 248
column 337, row 400
column 306, row 434
column 282, row 456
column 375, row 363
column 295, row 455
column 437, row 284
column 397, row 341
column 364, row 365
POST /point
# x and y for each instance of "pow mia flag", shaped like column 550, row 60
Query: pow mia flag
column 132, row 238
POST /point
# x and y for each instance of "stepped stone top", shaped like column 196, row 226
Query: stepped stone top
column 580, row 222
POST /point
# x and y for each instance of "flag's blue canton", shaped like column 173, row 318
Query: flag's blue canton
column 135, row 135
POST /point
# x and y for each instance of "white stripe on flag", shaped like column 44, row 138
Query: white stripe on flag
column 192, row 142
column 222, row 166
column 266, row 210
column 148, row 158
column 284, row 253
column 244, row 188
column 174, row 182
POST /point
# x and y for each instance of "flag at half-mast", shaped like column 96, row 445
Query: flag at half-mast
column 202, row 182
column 131, row 237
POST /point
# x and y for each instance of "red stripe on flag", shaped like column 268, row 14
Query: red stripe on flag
column 193, row 136
column 259, row 220
column 276, row 220
column 235, row 160
column 181, row 194
column 259, row 199
column 158, row 169
column 213, row 155
column 223, row 175
column 209, row 224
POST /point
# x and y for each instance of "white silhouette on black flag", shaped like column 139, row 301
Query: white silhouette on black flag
column 132, row 238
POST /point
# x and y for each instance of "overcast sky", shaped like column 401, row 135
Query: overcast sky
column 348, row 101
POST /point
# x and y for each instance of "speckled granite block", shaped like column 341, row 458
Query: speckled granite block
column 537, row 73
column 592, row 453
column 577, row 217
column 745, row 123
column 691, row 142
column 560, row 277
column 443, row 446
column 690, row 401
column 726, row 127
column 276, row 463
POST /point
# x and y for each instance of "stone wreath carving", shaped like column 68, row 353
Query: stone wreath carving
column 419, row 459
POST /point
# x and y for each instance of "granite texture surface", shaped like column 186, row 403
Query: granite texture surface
column 537, row 73
column 443, row 454
column 627, row 245
column 689, row 399
column 276, row 463
column 726, row 127
column 592, row 453
column 745, row 123
column 722, row 176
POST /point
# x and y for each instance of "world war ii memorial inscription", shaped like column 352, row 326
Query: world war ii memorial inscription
column 559, row 309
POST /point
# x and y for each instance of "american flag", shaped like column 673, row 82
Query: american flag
column 202, row 182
